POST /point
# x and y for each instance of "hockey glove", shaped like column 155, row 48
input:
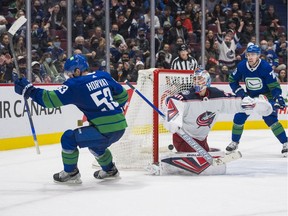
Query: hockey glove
column 248, row 103
column 23, row 87
column 241, row 93
column 279, row 102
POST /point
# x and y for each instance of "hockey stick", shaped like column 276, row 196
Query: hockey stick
column 13, row 29
column 189, row 140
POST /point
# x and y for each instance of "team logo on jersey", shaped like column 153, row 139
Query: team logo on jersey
column 205, row 119
column 230, row 54
column 194, row 164
column 253, row 83
column 62, row 89
column 172, row 110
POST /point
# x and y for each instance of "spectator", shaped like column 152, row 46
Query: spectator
column 165, row 16
column 114, row 35
column 36, row 77
column 79, row 44
column 48, row 69
column 81, row 7
column 147, row 19
column 227, row 46
column 186, row 22
column 20, row 46
column 281, row 47
column 271, row 32
column 3, row 23
column 97, row 17
column 144, row 46
column 159, row 39
column 56, row 51
column 248, row 32
column 160, row 60
column 175, row 47
column 55, row 19
column 37, row 14
column 6, row 66
column 4, row 41
column 124, row 22
column 270, row 19
column 268, row 53
column 79, row 27
column 215, row 77
column 178, row 31
column 248, row 5
column 168, row 55
column 39, row 37
column 282, row 76
column 22, row 66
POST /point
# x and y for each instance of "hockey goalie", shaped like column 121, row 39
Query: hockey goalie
column 194, row 112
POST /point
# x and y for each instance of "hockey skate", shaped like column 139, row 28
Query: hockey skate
column 232, row 146
column 285, row 149
column 101, row 174
column 68, row 177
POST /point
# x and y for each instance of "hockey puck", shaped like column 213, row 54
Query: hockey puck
column 170, row 147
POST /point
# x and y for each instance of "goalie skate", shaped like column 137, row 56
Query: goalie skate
column 68, row 177
column 101, row 174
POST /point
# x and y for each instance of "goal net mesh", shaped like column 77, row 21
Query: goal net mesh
column 146, row 138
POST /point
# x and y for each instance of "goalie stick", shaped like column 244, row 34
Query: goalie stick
column 12, row 30
column 190, row 141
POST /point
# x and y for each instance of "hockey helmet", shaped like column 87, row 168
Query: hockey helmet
column 76, row 61
column 253, row 49
column 201, row 79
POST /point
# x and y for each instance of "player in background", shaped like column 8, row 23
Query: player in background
column 101, row 99
column 259, row 78
column 196, row 110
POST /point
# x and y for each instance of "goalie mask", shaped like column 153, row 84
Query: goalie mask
column 201, row 80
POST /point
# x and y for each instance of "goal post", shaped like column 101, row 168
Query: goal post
column 146, row 138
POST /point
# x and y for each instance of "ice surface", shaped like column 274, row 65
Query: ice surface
column 255, row 185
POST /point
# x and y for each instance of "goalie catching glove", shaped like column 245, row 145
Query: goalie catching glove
column 23, row 87
column 258, row 105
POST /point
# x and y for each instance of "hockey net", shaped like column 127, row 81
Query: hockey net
column 146, row 138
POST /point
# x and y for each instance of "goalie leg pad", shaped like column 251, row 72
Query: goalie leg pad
column 190, row 164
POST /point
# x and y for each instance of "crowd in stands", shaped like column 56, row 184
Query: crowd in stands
column 230, row 27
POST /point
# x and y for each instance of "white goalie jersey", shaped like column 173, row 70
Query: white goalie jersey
column 196, row 115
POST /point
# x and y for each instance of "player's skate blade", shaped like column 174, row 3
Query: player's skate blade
column 68, row 178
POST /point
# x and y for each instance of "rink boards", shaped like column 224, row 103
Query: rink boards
column 51, row 123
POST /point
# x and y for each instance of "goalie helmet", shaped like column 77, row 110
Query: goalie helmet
column 201, row 80
column 76, row 62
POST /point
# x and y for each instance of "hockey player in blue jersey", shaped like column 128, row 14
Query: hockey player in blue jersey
column 259, row 78
column 101, row 99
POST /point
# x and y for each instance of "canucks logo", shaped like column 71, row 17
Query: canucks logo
column 253, row 83
column 205, row 119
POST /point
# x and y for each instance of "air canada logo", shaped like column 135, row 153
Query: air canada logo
column 205, row 119
column 172, row 110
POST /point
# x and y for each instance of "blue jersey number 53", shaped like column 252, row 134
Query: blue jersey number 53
column 104, row 97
